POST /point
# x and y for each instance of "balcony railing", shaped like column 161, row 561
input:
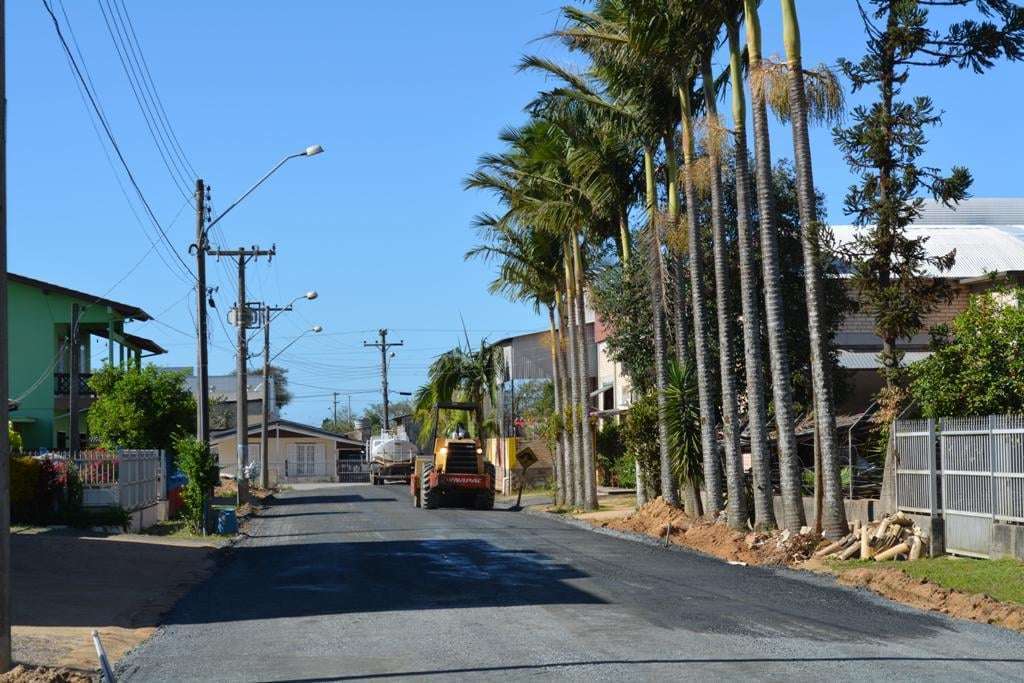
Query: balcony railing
column 62, row 384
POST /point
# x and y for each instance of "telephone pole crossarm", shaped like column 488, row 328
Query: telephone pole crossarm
column 384, row 345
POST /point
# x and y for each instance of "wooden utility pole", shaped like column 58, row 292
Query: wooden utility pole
column 5, row 446
column 384, row 345
column 202, row 362
column 243, row 320
column 74, row 370
column 335, row 409
column 268, row 312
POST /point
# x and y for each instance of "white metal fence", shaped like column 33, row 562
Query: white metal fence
column 128, row 478
column 979, row 480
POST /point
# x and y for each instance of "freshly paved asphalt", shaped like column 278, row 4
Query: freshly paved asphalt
column 351, row 582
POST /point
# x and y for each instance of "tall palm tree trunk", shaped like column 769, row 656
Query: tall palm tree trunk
column 782, row 392
column 589, row 469
column 677, row 271
column 833, row 511
column 574, row 383
column 702, row 351
column 556, row 385
column 625, row 255
column 757, row 414
column 736, row 507
column 657, row 283
column 568, row 428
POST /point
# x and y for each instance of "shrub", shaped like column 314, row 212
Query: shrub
column 14, row 439
column 609, row 450
column 980, row 369
column 625, row 471
column 35, row 490
column 200, row 466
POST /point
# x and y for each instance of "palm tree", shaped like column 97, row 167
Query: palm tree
column 682, row 420
column 782, row 393
column 464, row 375
column 736, row 508
column 833, row 511
column 529, row 270
column 757, row 417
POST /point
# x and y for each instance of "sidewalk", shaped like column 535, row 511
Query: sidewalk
column 65, row 583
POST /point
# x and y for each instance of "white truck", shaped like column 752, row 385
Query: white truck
column 392, row 457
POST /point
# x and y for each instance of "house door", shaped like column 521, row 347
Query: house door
column 309, row 460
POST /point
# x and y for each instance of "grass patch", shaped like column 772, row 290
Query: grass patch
column 1002, row 580
column 178, row 528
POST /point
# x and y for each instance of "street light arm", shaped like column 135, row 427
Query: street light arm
column 315, row 330
column 308, row 152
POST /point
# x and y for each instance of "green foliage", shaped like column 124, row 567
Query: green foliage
column 460, row 375
column 140, row 408
column 807, row 480
column 980, row 370
column 14, row 439
column 610, row 450
column 639, row 435
column 621, row 298
column 682, row 419
column 893, row 272
column 625, row 471
column 34, row 492
column 199, row 464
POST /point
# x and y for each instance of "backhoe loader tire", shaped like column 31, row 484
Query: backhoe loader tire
column 431, row 498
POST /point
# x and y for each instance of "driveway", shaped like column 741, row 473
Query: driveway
column 350, row 582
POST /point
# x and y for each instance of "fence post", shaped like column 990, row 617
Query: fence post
column 992, row 467
column 161, row 479
column 896, row 465
column 932, row 480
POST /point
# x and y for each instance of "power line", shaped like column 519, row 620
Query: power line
column 112, row 139
column 114, row 31
column 156, row 95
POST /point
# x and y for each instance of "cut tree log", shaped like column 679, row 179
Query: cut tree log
column 915, row 548
column 866, row 551
column 850, row 552
column 892, row 552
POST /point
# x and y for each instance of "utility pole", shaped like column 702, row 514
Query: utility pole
column 202, row 369
column 268, row 312
column 5, row 446
column 335, row 409
column 73, row 372
column 384, row 345
column 243, row 321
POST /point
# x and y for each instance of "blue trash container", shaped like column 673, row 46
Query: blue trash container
column 227, row 520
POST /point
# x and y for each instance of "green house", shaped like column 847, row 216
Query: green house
column 39, row 326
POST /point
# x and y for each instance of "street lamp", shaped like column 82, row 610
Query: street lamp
column 201, row 247
column 316, row 329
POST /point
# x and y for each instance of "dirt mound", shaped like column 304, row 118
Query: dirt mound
column 42, row 674
column 715, row 538
column 898, row 586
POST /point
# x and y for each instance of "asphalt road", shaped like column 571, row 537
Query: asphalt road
column 351, row 582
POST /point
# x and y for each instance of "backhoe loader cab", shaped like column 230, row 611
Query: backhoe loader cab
column 457, row 474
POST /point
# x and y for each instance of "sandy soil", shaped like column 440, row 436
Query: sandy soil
column 65, row 584
column 898, row 586
column 32, row 674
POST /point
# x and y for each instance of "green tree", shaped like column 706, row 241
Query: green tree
column 13, row 439
column 140, row 408
column 682, row 419
column 199, row 465
column 977, row 365
column 462, row 375
column 893, row 273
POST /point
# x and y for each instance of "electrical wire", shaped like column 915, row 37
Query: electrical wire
column 113, row 140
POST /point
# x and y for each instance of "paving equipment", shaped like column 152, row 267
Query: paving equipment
column 456, row 473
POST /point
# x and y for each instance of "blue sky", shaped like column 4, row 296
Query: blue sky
column 404, row 96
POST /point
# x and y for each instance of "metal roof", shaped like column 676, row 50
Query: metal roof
column 868, row 360
column 975, row 211
column 986, row 234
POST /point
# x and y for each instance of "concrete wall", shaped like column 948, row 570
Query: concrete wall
column 1007, row 541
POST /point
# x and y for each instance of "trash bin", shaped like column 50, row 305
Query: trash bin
column 226, row 519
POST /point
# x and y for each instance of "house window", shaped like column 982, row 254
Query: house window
column 307, row 460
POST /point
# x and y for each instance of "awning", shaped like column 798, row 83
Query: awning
column 134, row 341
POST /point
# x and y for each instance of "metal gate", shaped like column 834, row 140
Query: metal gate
column 916, row 485
column 966, row 445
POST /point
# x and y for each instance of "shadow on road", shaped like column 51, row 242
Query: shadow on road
column 328, row 500
column 641, row 662
column 301, row 580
